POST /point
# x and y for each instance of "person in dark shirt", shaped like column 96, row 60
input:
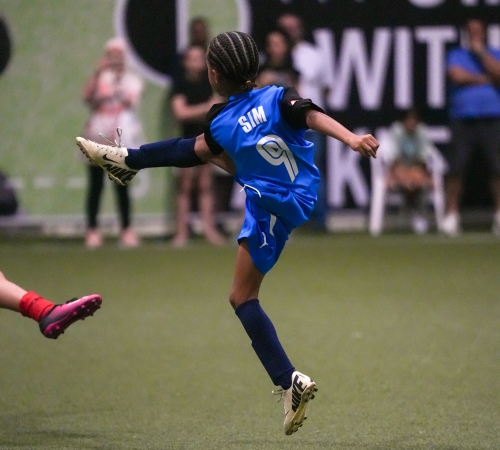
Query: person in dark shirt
column 190, row 100
column 277, row 68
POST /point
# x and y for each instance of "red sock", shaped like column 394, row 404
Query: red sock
column 34, row 306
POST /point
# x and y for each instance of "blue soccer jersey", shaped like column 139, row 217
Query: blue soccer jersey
column 262, row 130
column 263, row 134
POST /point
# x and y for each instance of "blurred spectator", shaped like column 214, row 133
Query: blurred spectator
column 198, row 32
column 191, row 98
column 5, row 45
column 277, row 66
column 112, row 93
column 199, row 35
column 306, row 60
column 8, row 199
column 474, row 75
column 313, row 84
column 407, row 153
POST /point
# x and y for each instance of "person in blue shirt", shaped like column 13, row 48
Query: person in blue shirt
column 474, row 110
column 257, row 136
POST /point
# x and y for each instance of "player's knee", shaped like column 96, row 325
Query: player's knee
column 236, row 300
column 233, row 300
column 2, row 276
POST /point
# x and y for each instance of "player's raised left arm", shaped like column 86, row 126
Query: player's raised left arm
column 365, row 144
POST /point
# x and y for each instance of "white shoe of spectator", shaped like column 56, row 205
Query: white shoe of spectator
column 496, row 224
column 451, row 225
column 419, row 224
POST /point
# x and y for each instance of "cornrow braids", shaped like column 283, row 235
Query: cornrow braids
column 235, row 54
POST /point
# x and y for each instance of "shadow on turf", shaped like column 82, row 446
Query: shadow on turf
column 296, row 443
column 23, row 431
column 47, row 439
column 398, row 445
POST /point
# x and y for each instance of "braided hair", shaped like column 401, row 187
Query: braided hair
column 235, row 54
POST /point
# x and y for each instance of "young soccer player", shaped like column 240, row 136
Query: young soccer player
column 52, row 319
column 257, row 137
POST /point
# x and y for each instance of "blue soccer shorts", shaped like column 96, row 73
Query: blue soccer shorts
column 266, row 235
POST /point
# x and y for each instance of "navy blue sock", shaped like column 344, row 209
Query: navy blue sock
column 169, row 153
column 265, row 342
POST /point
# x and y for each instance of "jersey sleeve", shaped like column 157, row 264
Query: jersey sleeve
column 293, row 109
column 213, row 145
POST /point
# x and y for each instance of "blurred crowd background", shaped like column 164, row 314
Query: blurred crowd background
column 387, row 67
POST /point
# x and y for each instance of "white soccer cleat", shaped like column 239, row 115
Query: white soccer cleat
column 295, row 401
column 110, row 158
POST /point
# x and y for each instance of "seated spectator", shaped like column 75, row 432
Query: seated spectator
column 407, row 154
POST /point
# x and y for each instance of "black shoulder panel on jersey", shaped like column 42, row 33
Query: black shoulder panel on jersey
column 294, row 108
column 214, row 111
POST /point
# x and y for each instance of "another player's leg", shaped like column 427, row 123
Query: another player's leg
column 53, row 319
column 296, row 389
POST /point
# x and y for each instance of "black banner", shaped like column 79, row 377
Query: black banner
column 388, row 55
column 383, row 56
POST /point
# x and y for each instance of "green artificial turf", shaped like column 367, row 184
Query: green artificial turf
column 401, row 334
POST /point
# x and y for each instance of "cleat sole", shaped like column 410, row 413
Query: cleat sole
column 300, row 414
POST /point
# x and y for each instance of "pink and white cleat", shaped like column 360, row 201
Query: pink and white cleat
column 62, row 316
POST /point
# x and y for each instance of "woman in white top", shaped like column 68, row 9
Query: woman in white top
column 112, row 93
